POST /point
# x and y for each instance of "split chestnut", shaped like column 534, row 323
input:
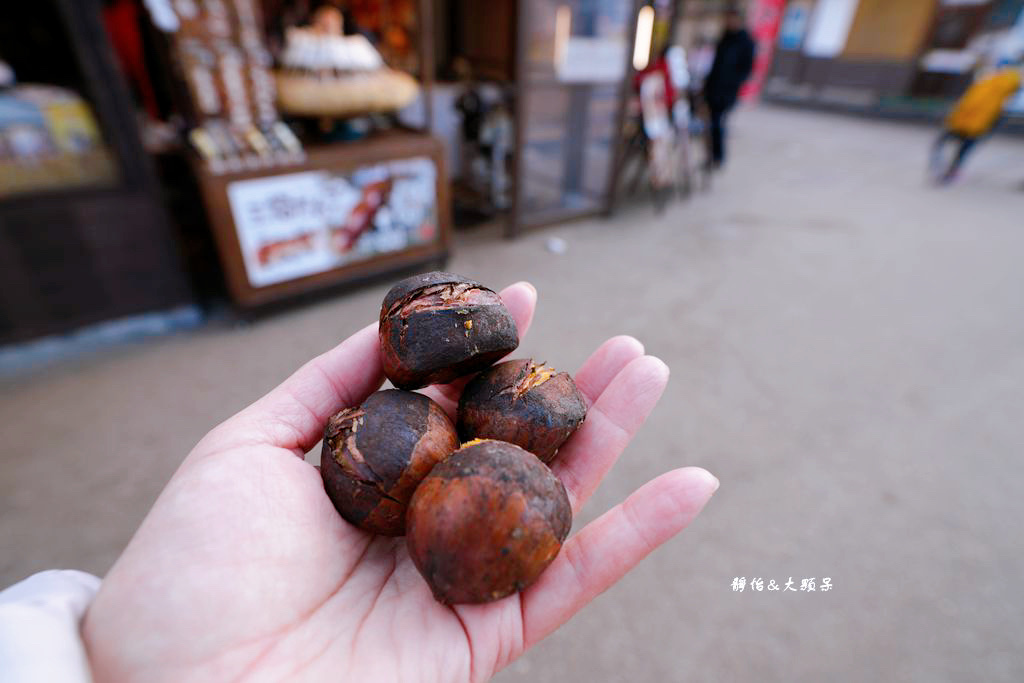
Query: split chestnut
column 437, row 327
column 523, row 403
column 374, row 456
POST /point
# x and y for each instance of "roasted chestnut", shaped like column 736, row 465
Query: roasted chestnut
column 439, row 326
column 375, row 455
column 486, row 522
column 523, row 403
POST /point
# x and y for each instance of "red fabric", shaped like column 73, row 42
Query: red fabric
column 660, row 66
column 764, row 17
column 122, row 21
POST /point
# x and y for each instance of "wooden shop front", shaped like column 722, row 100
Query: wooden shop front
column 197, row 178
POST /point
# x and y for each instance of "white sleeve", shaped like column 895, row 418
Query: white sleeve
column 39, row 627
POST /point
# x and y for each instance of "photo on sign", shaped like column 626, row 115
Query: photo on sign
column 300, row 224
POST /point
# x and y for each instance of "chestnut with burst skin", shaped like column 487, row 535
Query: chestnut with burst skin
column 438, row 326
column 375, row 456
column 523, row 403
column 486, row 522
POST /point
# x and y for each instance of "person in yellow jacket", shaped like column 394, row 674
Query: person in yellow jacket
column 974, row 115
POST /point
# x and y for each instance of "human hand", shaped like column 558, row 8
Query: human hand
column 244, row 570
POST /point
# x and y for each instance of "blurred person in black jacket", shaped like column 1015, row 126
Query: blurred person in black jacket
column 734, row 60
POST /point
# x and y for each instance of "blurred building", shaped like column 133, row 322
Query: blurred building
column 906, row 57
column 164, row 158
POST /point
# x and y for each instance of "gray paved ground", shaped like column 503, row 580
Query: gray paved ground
column 847, row 348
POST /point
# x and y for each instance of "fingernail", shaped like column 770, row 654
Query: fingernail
column 712, row 479
column 532, row 288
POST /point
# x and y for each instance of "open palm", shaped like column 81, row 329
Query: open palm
column 243, row 569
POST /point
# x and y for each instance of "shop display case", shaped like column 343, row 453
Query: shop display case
column 83, row 234
column 341, row 203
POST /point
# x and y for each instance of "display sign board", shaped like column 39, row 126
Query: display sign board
column 298, row 224
column 592, row 60
column 829, row 28
column 794, row 25
column 949, row 61
column 1015, row 46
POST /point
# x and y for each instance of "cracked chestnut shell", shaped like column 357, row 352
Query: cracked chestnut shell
column 438, row 326
column 524, row 403
column 375, row 456
column 486, row 522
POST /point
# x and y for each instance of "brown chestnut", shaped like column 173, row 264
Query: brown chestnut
column 486, row 522
column 375, row 456
column 523, row 403
column 439, row 326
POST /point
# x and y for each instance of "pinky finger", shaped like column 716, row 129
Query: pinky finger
column 610, row 546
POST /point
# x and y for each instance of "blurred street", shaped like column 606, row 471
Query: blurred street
column 847, row 350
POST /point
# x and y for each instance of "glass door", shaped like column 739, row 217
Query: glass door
column 572, row 64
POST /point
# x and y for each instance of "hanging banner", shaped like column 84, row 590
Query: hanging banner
column 763, row 18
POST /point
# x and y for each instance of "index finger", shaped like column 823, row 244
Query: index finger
column 610, row 546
